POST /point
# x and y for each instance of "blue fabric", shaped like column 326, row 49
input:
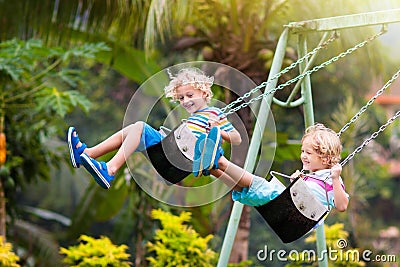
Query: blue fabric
column 211, row 149
column 259, row 193
column 150, row 136
column 198, row 122
column 198, row 150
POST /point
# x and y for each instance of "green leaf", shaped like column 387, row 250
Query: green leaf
column 70, row 76
column 95, row 205
column 10, row 69
column 129, row 62
column 118, row 193
column 96, row 252
column 86, row 50
column 178, row 244
column 61, row 102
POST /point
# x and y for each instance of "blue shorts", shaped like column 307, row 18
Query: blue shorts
column 259, row 193
column 150, row 136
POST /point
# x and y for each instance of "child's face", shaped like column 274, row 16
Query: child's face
column 311, row 160
column 190, row 98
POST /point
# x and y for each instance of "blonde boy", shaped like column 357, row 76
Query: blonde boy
column 320, row 155
column 192, row 88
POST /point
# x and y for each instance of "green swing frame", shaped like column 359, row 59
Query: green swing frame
column 301, row 29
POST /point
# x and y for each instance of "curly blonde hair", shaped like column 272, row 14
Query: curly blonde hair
column 325, row 142
column 194, row 76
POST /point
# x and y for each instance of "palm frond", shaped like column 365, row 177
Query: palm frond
column 36, row 242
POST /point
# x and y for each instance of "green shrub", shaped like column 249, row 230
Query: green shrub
column 177, row 244
column 96, row 252
column 7, row 256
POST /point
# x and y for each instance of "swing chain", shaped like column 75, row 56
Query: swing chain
column 373, row 136
column 333, row 37
column 301, row 76
column 369, row 103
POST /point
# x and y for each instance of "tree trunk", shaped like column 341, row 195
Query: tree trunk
column 241, row 244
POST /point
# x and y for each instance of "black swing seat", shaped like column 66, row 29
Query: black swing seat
column 294, row 212
column 172, row 158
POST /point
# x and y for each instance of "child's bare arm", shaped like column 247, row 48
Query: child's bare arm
column 339, row 195
column 232, row 137
column 294, row 175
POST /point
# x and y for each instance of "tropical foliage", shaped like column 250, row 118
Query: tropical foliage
column 39, row 89
column 178, row 244
column 96, row 252
column 7, row 257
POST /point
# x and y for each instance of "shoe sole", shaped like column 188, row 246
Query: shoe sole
column 211, row 148
column 71, row 130
column 198, row 163
column 100, row 179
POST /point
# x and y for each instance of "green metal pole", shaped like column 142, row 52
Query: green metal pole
column 306, row 84
column 253, row 149
column 321, row 246
column 308, row 121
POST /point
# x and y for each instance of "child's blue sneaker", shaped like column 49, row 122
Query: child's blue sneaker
column 74, row 152
column 211, row 152
column 98, row 170
column 198, row 151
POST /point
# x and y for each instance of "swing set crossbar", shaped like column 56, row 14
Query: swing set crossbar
column 242, row 103
column 347, row 21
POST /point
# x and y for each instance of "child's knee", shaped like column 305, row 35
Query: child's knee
column 138, row 126
column 134, row 128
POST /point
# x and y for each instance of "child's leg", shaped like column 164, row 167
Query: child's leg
column 249, row 190
column 126, row 141
column 229, row 181
column 231, row 174
column 131, row 133
column 134, row 137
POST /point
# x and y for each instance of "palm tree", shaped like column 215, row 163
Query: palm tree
column 70, row 23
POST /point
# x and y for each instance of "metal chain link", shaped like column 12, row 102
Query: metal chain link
column 316, row 68
column 279, row 74
column 369, row 103
column 372, row 137
column 301, row 76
